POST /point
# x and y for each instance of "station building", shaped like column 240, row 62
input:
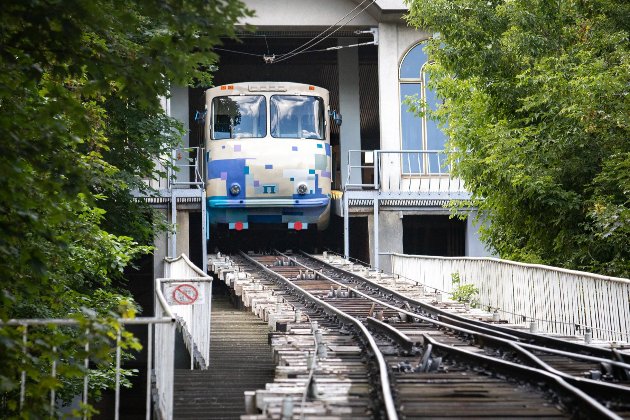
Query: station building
column 388, row 163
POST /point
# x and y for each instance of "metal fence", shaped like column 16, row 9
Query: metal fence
column 162, row 326
column 557, row 300
column 173, row 170
column 192, row 319
column 402, row 170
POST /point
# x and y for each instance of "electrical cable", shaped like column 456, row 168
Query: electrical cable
column 284, row 57
column 306, row 44
column 238, row 52
column 311, row 43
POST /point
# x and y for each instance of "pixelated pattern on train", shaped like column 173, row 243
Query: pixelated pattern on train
column 265, row 172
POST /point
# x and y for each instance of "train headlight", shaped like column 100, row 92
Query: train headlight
column 235, row 189
column 302, row 189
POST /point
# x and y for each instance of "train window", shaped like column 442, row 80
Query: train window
column 294, row 116
column 239, row 117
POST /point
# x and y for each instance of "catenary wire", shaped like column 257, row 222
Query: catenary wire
column 312, row 42
column 307, row 43
column 285, row 57
column 238, row 52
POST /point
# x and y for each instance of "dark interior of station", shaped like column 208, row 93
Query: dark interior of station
column 242, row 61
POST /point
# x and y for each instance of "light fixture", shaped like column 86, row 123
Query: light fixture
column 235, row 189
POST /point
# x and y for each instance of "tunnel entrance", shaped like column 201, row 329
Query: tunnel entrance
column 242, row 61
column 436, row 235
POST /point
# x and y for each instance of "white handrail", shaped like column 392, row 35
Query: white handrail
column 194, row 319
column 164, row 327
column 410, row 171
column 164, row 362
column 559, row 300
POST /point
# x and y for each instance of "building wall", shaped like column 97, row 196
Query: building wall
column 474, row 246
column 304, row 13
column 349, row 106
column 179, row 110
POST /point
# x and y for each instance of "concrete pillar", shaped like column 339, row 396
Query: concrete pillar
column 161, row 248
column 474, row 246
column 183, row 235
column 179, row 110
column 389, row 106
column 350, row 131
column 390, row 230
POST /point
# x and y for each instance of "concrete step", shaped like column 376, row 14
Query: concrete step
column 240, row 360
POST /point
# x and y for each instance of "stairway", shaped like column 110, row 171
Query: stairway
column 240, row 360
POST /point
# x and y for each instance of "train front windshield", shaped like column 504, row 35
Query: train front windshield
column 295, row 116
column 239, row 116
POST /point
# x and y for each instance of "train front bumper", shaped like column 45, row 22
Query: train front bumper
column 268, row 202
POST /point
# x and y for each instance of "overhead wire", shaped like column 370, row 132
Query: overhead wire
column 293, row 53
column 311, row 43
column 238, row 52
column 338, row 47
column 307, row 43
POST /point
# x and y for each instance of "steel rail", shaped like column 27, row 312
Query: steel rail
column 388, row 399
column 460, row 324
column 510, row 343
column 474, row 324
column 622, row 369
column 584, row 401
column 603, row 389
column 533, row 375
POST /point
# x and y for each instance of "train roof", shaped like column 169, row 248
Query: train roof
column 264, row 87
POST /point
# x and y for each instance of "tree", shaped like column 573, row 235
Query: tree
column 80, row 125
column 537, row 109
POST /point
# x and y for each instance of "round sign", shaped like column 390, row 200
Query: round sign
column 297, row 226
column 238, row 225
column 185, row 294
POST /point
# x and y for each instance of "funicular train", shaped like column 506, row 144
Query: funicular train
column 268, row 156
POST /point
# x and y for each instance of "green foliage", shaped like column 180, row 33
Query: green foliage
column 538, row 111
column 465, row 293
column 80, row 124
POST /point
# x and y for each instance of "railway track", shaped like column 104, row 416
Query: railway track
column 425, row 362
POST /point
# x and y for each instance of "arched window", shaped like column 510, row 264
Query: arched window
column 419, row 133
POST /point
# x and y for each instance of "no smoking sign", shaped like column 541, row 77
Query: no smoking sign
column 185, row 294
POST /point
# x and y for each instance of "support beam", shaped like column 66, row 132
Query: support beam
column 349, row 104
column 376, row 249
column 183, row 232
column 346, row 227
column 204, row 233
column 172, row 252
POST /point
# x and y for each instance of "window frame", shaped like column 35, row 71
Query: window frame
column 213, row 115
column 425, row 164
column 322, row 104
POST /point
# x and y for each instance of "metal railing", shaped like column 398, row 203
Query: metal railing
column 162, row 326
column 403, row 171
column 182, row 161
column 186, row 159
column 557, row 300
column 192, row 319
column 164, row 357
